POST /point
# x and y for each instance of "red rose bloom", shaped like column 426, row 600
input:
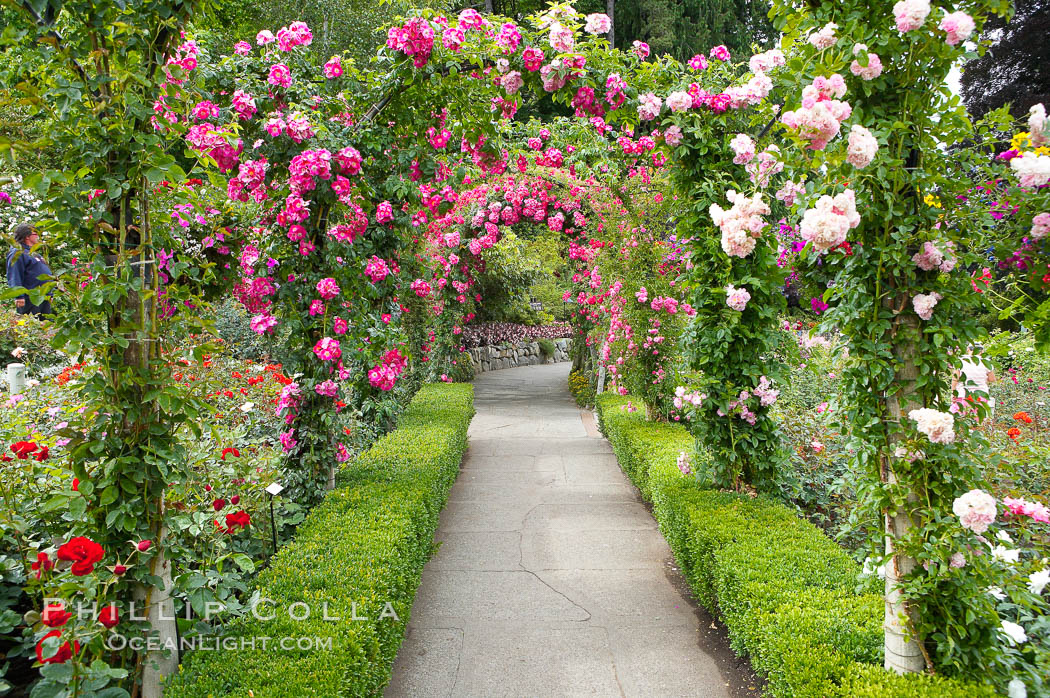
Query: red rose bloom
column 83, row 552
column 22, row 449
column 64, row 654
column 43, row 454
column 43, row 564
column 109, row 616
column 229, row 451
column 237, row 520
column 55, row 615
column 235, row 499
column 218, row 504
column 76, row 484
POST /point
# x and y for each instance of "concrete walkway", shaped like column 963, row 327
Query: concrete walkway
column 552, row 578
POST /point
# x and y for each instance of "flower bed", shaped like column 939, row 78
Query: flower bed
column 364, row 546
column 786, row 592
column 485, row 334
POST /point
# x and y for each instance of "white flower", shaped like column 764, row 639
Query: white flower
column 976, row 509
column 1010, row 555
column 1004, row 537
column 1032, row 169
column 939, row 427
column 1014, row 633
column 679, row 101
column 1037, row 581
column 598, row 23
column 737, row 298
column 247, row 407
column 862, row 147
column 18, row 352
column 826, row 224
column 870, row 569
column 1038, row 126
column 1016, row 689
column 996, row 593
column 924, row 304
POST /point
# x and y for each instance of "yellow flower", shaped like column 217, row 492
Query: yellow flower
column 1019, row 141
column 931, row 200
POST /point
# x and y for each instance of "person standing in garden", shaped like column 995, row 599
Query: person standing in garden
column 27, row 269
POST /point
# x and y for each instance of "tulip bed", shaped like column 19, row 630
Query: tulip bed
column 364, row 546
column 786, row 592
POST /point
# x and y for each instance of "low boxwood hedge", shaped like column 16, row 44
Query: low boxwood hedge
column 790, row 597
column 364, row 546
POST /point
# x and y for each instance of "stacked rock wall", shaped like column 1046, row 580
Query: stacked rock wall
column 512, row 354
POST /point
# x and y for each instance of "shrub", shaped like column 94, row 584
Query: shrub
column 581, row 388
column 463, row 368
column 34, row 336
column 547, row 348
column 232, row 326
column 365, row 544
column 786, row 592
column 484, row 334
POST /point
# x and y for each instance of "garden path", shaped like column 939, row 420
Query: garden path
column 552, row 578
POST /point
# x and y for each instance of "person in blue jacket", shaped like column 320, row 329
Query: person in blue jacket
column 27, row 269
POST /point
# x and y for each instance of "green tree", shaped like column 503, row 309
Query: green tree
column 353, row 26
column 1015, row 69
column 684, row 29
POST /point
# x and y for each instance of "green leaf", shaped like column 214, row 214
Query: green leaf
column 57, row 672
column 244, row 562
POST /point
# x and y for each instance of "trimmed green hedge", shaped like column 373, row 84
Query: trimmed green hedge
column 786, row 592
column 365, row 544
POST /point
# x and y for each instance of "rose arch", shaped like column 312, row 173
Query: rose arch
column 350, row 208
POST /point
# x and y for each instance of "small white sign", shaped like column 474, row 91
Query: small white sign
column 275, row 488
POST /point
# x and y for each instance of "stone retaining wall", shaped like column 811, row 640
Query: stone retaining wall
column 511, row 354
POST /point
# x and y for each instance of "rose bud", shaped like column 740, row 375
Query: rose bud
column 143, row 545
column 207, row 488
column 119, row 569
column 235, row 499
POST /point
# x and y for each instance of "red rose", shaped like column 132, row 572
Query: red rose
column 43, row 454
column 143, row 545
column 218, row 504
column 119, row 569
column 55, row 615
column 235, row 499
column 237, row 520
column 207, row 488
column 64, row 654
column 230, row 452
column 109, row 616
column 22, row 449
column 83, row 553
column 43, row 564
